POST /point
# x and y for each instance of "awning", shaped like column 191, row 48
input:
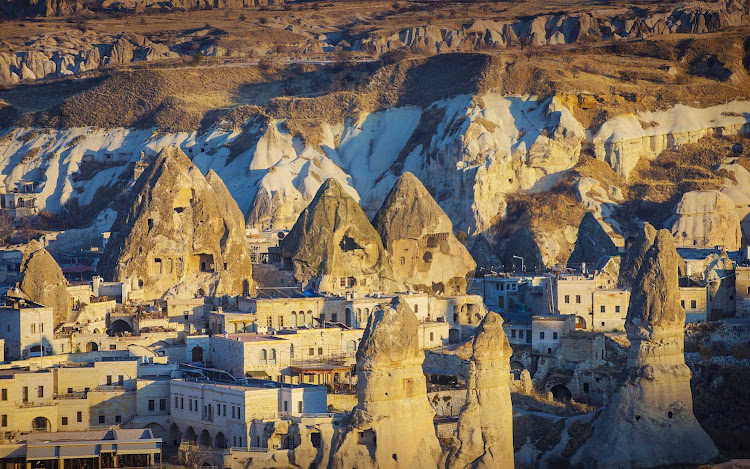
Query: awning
column 138, row 448
column 79, row 451
column 258, row 374
column 41, row 452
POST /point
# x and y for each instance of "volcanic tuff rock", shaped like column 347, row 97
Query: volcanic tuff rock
column 392, row 424
column 42, row 281
column 334, row 245
column 485, row 424
column 706, row 219
column 419, row 237
column 522, row 244
column 592, row 243
column 650, row 420
column 74, row 52
column 179, row 233
column 633, row 257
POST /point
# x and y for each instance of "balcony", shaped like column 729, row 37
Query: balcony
column 111, row 388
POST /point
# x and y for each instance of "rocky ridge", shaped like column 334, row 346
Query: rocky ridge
column 75, row 52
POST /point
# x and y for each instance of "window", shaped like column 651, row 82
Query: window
column 70, row 390
column 554, row 335
column 224, row 410
column 693, row 304
column 120, row 380
column 33, row 328
column 299, row 407
column 186, row 316
column 112, row 347
column 602, row 323
column 281, row 321
column 416, row 309
column 190, row 404
column 41, row 327
column 586, row 388
column 567, row 299
column 541, row 335
column 263, row 357
column 617, row 308
column 269, row 321
column 731, row 297
column 79, row 416
column 5, row 394
column 286, row 406
column 109, row 380
column 176, row 402
column 118, row 418
column 40, row 391
column 682, row 303
column 320, row 350
column 335, row 317
column 151, row 405
column 342, row 282
column 4, row 420
column 162, row 404
column 312, row 351
column 101, row 419
column 512, row 333
column 65, row 420
column 604, row 309
column 432, row 336
column 578, row 299
column 25, row 394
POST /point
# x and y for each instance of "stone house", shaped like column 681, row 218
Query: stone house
column 693, row 301
column 742, row 290
column 219, row 415
column 609, row 309
column 26, row 327
column 548, row 331
column 575, row 296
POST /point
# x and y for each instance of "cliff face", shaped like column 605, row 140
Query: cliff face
column 179, row 234
column 419, row 238
column 391, row 426
column 485, row 425
column 650, row 420
column 42, row 281
column 334, row 246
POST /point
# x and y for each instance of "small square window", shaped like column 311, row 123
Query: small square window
column 65, row 420
column 604, row 309
column 79, row 416
column 118, row 418
column 101, row 419
column 554, row 335
column 617, row 308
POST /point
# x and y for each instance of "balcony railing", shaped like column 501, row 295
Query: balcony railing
column 110, row 387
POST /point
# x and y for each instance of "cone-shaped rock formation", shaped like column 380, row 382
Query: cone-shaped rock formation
column 633, row 258
column 42, row 281
column 485, row 425
column 179, row 234
column 523, row 245
column 392, row 424
column 333, row 245
column 592, row 243
column 419, row 237
column 650, row 420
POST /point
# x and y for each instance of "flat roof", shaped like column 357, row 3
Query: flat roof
column 252, row 337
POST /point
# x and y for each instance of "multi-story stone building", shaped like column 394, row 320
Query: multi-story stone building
column 26, row 327
column 609, row 309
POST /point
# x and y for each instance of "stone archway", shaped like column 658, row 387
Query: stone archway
column 158, row 431
column 205, row 440
column 189, row 435
column 220, row 441
column 120, row 326
column 174, row 436
column 561, row 392
column 197, row 354
column 41, row 424
column 92, row 347
column 454, row 336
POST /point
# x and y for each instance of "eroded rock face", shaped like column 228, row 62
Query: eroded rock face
column 485, row 425
column 333, row 246
column 706, row 219
column 633, row 257
column 419, row 238
column 42, row 281
column 592, row 243
column 179, row 234
column 391, row 426
column 650, row 420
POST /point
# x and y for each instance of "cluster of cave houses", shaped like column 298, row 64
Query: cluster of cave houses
column 272, row 351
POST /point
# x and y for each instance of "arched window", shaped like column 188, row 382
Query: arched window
column 272, row 360
column 263, row 357
column 309, row 318
column 291, row 351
